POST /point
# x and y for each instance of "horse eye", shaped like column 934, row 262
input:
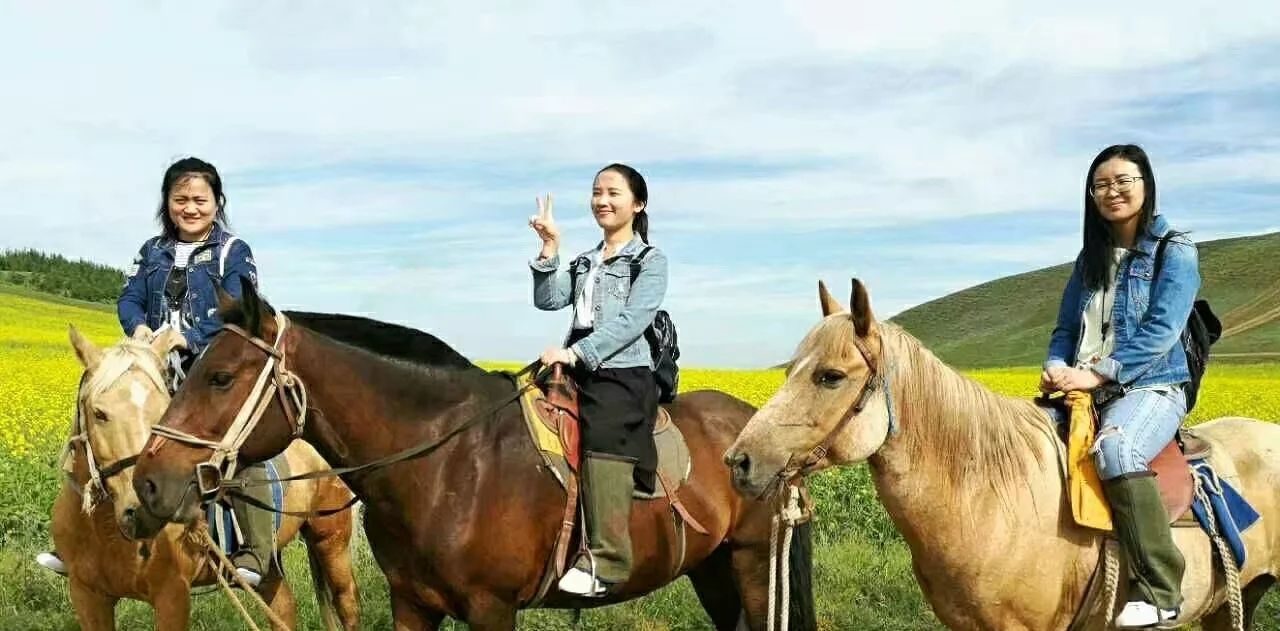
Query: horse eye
column 221, row 379
column 100, row 415
column 831, row 378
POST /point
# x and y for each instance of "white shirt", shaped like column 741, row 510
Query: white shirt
column 1099, row 336
column 583, row 316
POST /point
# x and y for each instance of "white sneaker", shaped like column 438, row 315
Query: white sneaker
column 52, row 562
column 249, row 576
column 576, row 581
column 1142, row 615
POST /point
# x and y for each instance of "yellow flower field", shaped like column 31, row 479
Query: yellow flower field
column 40, row 371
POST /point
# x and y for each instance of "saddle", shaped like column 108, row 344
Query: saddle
column 1173, row 473
column 551, row 415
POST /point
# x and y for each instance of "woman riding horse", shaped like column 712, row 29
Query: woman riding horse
column 610, row 356
column 174, row 282
column 1118, row 335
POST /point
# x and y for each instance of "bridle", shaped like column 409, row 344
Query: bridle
column 98, row 475
column 274, row 382
column 869, row 385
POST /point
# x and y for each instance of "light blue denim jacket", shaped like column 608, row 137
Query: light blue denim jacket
column 1148, row 316
column 622, row 310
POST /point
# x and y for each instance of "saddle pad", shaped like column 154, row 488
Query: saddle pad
column 673, row 452
column 221, row 527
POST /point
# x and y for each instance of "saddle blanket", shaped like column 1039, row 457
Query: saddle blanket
column 1230, row 511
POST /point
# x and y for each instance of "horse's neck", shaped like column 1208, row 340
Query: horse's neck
column 369, row 406
column 965, row 466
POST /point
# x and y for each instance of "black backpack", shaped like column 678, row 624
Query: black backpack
column 663, row 348
column 1202, row 330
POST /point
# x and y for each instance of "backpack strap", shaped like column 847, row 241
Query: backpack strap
column 222, row 258
column 635, row 263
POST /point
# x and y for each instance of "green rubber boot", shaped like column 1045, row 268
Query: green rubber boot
column 256, row 525
column 607, row 503
column 1142, row 526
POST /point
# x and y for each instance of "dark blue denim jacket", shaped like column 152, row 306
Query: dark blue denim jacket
column 1148, row 317
column 143, row 301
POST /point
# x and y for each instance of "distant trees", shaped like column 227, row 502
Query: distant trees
column 55, row 274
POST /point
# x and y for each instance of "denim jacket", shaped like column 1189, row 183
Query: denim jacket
column 1148, row 317
column 143, row 302
column 622, row 310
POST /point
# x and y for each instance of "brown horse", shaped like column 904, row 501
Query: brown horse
column 95, row 531
column 975, row 482
column 467, row 530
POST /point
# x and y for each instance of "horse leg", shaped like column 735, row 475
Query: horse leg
column 275, row 591
column 751, row 576
column 94, row 611
column 490, row 613
column 172, row 603
column 329, row 551
column 1220, row 619
column 713, row 582
column 408, row 615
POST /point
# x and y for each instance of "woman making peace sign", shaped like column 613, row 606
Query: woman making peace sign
column 610, row 361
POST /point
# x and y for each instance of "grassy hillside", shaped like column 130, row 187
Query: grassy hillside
column 1007, row 322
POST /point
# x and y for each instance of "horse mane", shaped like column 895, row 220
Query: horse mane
column 383, row 338
column 118, row 359
column 978, row 438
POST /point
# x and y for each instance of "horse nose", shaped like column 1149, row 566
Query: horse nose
column 739, row 463
column 147, row 491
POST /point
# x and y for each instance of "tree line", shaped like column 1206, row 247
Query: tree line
column 57, row 275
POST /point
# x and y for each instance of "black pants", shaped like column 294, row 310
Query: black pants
column 618, row 408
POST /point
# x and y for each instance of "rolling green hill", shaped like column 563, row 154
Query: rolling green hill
column 1007, row 322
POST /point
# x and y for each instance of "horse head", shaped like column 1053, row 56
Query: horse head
column 831, row 409
column 123, row 393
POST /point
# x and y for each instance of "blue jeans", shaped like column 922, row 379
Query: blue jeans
column 1135, row 427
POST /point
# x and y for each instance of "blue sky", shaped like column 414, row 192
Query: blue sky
column 383, row 158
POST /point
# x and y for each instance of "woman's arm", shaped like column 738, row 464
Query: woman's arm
column 131, row 307
column 642, row 305
column 1063, row 342
column 1173, row 296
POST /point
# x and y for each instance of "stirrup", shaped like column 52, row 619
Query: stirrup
column 51, row 561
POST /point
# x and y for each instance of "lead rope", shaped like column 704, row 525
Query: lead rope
column 222, row 566
column 792, row 514
column 1234, row 599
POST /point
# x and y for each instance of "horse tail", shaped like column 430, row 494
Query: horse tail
column 322, row 588
column 800, row 557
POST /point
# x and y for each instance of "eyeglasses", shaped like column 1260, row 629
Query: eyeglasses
column 1122, row 184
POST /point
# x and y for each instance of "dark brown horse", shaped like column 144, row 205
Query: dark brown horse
column 467, row 530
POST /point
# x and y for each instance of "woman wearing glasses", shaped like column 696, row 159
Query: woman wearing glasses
column 1118, row 335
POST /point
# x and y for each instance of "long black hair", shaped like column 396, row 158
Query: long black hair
column 1098, row 239
column 639, row 189
column 181, row 171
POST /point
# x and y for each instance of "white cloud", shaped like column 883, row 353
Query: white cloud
column 382, row 157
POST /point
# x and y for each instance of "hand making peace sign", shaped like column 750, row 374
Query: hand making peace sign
column 544, row 224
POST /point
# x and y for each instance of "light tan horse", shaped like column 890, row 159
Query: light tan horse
column 973, row 480
column 121, row 396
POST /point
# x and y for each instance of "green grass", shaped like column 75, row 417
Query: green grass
column 979, row 327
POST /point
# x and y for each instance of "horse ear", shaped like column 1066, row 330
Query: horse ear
column 829, row 303
column 860, row 307
column 166, row 341
column 226, row 303
column 252, row 306
column 89, row 354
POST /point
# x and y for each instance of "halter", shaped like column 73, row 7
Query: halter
column 274, row 381
column 110, row 372
column 869, row 385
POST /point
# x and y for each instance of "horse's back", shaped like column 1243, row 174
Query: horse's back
column 710, row 416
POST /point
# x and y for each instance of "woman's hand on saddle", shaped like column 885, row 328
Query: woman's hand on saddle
column 1072, row 379
column 557, row 355
column 545, row 225
column 1046, row 383
column 142, row 333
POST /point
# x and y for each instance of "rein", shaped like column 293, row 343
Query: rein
column 292, row 391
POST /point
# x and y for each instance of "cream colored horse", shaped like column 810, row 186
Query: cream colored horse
column 973, row 480
column 122, row 395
